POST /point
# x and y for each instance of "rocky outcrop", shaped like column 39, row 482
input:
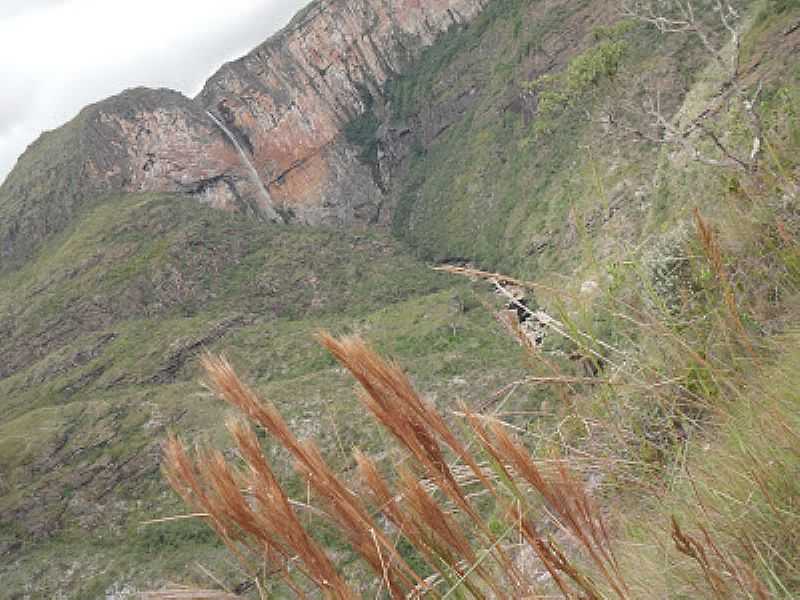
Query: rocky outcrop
column 160, row 141
column 141, row 140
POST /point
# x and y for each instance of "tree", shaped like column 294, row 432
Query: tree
column 716, row 25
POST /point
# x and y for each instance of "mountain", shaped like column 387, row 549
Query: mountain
column 314, row 182
column 119, row 268
column 265, row 134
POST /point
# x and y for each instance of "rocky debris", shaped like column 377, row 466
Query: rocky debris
column 526, row 320
column 540, row 243
column 589, row 288
column 185, row 349
column 523, row 318
column 121, row 591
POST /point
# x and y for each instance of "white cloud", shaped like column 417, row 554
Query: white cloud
column 11, row 8
column 60, row 55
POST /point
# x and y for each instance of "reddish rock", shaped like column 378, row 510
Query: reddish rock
column 289, row 99
column 281, row 111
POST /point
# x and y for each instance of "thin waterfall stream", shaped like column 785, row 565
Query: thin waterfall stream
column 266, row 199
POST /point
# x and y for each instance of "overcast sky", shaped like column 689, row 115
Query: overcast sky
column 57, row 56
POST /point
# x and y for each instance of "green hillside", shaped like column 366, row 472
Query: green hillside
column 530, row 146
column 522, row 157
column 102, row 330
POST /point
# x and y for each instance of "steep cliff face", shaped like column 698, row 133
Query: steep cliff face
column 264, row 136
column 288, row 100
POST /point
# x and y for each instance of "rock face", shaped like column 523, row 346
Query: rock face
column 264, row 136
column 288, row 100
column 160, row 141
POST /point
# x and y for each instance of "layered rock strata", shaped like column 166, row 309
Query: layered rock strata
column 289, row 99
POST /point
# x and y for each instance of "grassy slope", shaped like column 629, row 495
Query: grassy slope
column 736, row 474
column 47, row 174
column 738, row 479
column 498, row 186
column 104, row 329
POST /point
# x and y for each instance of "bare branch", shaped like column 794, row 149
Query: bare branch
column 732, row 160
column 679, row 16
column 684, row 16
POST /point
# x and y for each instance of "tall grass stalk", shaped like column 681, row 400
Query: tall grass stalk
column 472, row 510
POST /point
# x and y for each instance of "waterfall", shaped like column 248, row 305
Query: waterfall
column 266, row 199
